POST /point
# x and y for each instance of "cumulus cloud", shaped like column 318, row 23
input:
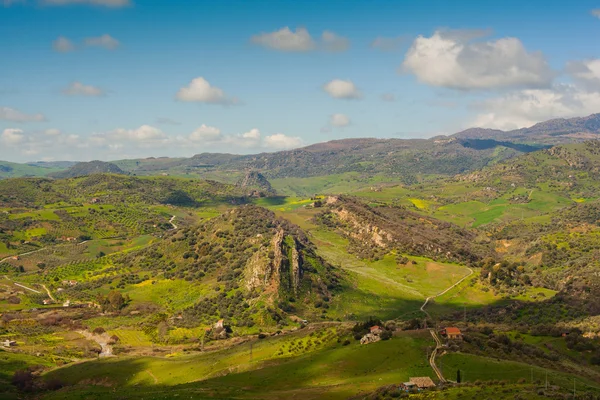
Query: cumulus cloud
column 281, row 141
column 341, row 89
column 99, row 3
column 79, row 89
column 52, row 132
column 339, row 120
column 585, row 73
column 105, row 41
column 63, row 45
column 200, row 90
column 12, row 136
column 285, row 40
column 387, row 97
column 248, row 139
column 388, row 43
column 12, row 115
column 206, row 134
column 596, row 13
column 333, row 42
column 144, row 136
column 527, row 107
column 451, row 59
column 300, row 40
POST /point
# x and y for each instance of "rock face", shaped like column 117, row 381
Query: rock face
column 374, row 231
column 256, row 181
column 268, row 257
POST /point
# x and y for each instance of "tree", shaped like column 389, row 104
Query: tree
column 458, row 377
column 116, row 300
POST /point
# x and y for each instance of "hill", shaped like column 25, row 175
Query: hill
column 89, row 168
column 16, row 170
column 554, row 131
column 257, row 181
column 375, row 231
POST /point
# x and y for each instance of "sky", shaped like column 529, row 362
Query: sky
column 114, row 79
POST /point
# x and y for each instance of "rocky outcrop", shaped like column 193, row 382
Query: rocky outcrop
column 255, row 181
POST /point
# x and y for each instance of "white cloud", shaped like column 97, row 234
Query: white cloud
column 281, row 141
column 387, row 97
column 206, row 134
column 300, row 41
column 105, row 41
column 142, row 134
column 12, row 136
column 339, row 120
column 200, row 90
column 596, row 13
column 585, row 73
column 79, row 89
column 248, row 139
column 341, row 89
column 333, row 42
column 100, row 3
column 388, row 43
column 52, row 132
column 528, row 107
column 450, row 59
column 285, row 40
column 63, row 45
column 10, row 114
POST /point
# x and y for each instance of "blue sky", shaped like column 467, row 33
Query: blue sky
column 110, row 79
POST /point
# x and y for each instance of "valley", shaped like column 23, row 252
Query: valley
column 264, row 288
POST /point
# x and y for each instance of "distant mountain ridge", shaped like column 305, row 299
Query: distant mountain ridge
column 461, row 152
column 554, row 131
column 89, row 168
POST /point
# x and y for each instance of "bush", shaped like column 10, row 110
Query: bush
column 386, row 335
column 99, row 330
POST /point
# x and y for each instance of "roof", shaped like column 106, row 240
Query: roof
column 422, row 381
column 452, row 330
column 375, row 327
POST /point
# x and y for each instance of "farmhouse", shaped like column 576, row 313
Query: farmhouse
column 452, row 333
column 9, row 343
column 376, row 330
column 422, row 382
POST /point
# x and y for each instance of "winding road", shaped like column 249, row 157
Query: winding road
column 438, row 342
column 171, row 222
